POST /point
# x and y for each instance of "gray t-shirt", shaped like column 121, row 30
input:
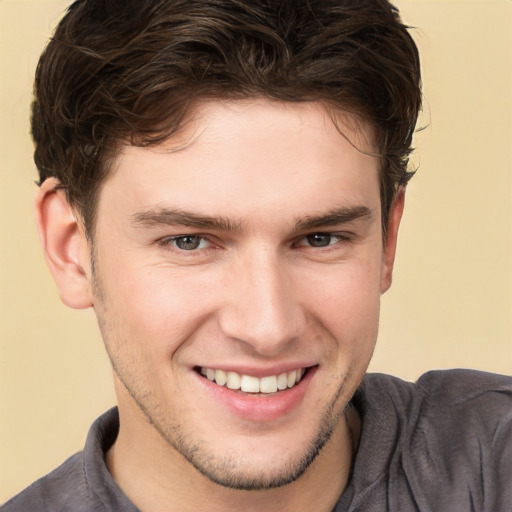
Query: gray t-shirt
column 443, row 444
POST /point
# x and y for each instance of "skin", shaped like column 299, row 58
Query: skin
column 253, row 182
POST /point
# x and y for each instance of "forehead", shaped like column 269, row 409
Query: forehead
column 239, row 158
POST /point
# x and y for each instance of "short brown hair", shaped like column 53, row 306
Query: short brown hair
column 130, row 70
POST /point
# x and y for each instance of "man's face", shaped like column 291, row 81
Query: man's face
column 254, row 255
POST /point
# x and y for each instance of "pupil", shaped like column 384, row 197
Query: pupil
column 319, row 240
column 188, row 243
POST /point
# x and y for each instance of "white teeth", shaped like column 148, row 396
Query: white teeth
column 251, row 384
column 233, row 381
column 268, row 384
column 282, row 381
column 292, row 378
column 220, row 377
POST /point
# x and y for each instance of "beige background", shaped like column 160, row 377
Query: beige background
column 450, row 305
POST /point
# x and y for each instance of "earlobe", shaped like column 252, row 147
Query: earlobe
column 64, row 245
column 388, row 255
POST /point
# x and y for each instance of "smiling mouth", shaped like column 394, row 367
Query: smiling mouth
column 250, row 384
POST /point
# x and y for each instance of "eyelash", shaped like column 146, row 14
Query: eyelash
column 338, row 238
column 171, row 241
column 201, row 239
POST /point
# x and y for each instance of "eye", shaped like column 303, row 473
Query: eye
column 188, row 242
column 321, row 239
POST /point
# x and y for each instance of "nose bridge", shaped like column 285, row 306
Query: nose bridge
column 262, row 309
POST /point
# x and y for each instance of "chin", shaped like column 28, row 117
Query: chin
column 240, row 470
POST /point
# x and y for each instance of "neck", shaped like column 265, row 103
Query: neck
column 155, row 477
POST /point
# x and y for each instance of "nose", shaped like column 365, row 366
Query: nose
column 262, row 307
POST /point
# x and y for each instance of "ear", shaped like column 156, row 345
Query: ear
column 388, row 255
column 65, row 245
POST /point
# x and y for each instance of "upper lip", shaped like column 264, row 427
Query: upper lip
column 257, row 371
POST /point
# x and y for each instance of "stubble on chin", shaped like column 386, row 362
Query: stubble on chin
column 237, row 471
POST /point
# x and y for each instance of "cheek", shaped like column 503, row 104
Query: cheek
column 154, row 306
column 354, row 321
column 351, row 286
column 347, row 302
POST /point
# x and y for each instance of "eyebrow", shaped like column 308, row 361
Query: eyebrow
column 176, row 217
column 169, row 217
column 334, row 217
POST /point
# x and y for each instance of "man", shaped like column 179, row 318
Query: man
column 224, row 182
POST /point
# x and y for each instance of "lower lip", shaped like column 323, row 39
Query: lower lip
column 258, row 407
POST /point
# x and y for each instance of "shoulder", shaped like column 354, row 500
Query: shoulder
column 442, row 443
column 464, row 408
column 454, row 385
column 463, row 433
column 62, row 487
column 469, row 392
column 458, row 441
